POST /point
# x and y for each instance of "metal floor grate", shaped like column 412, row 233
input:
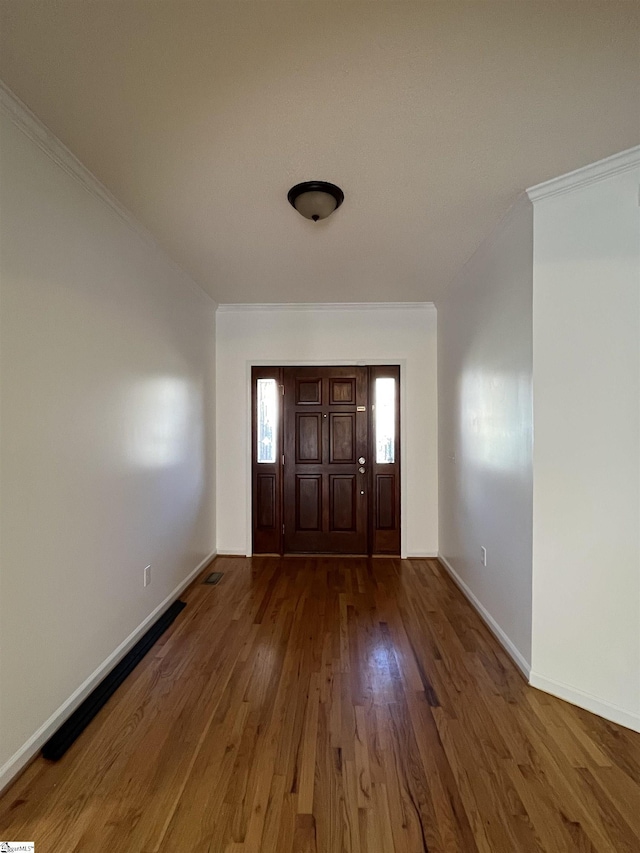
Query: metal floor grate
column 213, row 578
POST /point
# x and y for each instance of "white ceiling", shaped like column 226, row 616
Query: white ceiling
column 432, row 117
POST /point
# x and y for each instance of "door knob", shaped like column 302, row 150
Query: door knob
column 361, row 469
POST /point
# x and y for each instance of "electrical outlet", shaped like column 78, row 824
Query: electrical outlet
column 147, row 575
column 483, row 555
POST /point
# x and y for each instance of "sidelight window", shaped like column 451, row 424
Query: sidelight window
column 267, row 432
column 385, row 420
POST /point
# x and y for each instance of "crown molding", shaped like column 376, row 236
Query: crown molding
column 248, row 307
column 29, row 123
column 614, row 165
column 37, row 132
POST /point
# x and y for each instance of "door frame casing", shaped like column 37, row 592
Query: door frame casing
column 326, row 362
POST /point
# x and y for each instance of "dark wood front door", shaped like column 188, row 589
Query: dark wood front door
column 326, row 460
column 326, row 438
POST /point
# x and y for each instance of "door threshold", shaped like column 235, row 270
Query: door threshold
column 325, row 554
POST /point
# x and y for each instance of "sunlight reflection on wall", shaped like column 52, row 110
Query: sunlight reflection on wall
column 159, row 413
column 495, row 416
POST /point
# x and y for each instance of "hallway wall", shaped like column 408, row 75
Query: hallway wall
column 107, row 448
column 289, row 334
column 485, row 428
column 551, row 305
column 586, row 508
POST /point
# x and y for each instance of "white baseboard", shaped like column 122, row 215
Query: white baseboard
column 516, row 656
column 17, row 762
column 431, row 555
column 586, row 701
column 548, row 685
column 230, row 552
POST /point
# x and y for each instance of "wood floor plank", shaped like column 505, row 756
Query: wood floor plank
column 332, row 706
column 309, row 744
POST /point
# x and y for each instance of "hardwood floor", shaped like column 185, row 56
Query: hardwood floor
column 332, row 705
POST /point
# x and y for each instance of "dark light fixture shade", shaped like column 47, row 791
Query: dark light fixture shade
column 315, row 199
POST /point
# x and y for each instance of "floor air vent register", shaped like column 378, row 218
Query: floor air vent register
column 60, row 742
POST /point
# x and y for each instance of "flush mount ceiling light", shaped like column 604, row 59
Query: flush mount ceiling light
column 315, row 199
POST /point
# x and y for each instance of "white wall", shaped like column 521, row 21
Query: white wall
column 586, row 549
column 107, row 445
column 304, row 334
column 485, row 429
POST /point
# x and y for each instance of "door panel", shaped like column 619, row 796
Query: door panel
column 342, row 437
column 343, row 502
column 308, row 432
column 308, row 392
column 309, row 502
column 385, row 501
column 342, row 391
column 325, row 494
column 266, row 501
